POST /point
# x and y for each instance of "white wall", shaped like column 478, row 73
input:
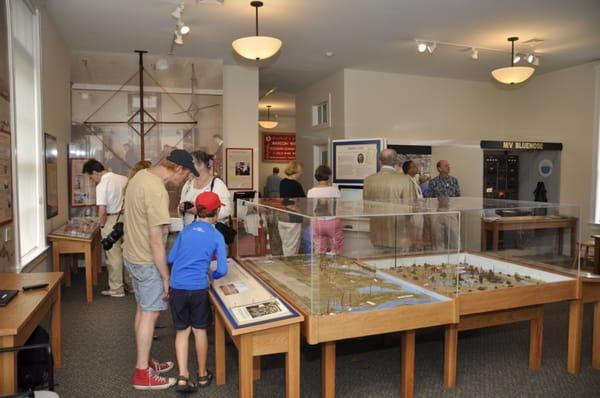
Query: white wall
column 454, row 115
column 56, row 107
column 240, row 111
column 306, row 135
column 559, row 107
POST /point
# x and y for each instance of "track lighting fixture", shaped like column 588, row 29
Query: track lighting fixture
column 474, row 54
column 184, row 29
column 178, row 39
column 425, row 46
column 516, row 58
column 178, row 11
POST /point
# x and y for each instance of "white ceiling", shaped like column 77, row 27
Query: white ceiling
column 373, row 35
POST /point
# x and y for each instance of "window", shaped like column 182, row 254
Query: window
column 596, row 198
column 320, row 114
column 27, row 136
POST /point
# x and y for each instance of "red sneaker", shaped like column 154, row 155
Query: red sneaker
column 160, row 367
column 147, row 379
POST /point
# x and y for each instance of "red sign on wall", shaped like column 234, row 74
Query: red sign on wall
column 279, row 147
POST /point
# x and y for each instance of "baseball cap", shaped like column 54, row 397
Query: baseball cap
column 184, row 159
column 209, row 201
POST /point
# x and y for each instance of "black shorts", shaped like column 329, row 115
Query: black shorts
column 190, row 308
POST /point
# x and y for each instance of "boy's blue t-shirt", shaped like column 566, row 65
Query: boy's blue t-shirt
column 191, row 254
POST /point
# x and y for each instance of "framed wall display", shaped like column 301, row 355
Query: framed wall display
column 238, row 168
column 82, row 191
column 279, row 147
column 354, row 160
column 6, row 208
column 51, row 155
column 420, row 154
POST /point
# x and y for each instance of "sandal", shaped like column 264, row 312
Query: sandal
column 204, row 381
column 189, row 386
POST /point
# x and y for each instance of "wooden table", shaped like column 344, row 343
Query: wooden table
column 72, row 239
column 590, row 294
column 280, row 336
column 22, row 315
column 327, row 330
column 505, row 306
column 528, row 223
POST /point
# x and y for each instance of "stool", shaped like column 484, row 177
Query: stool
column 585, row 248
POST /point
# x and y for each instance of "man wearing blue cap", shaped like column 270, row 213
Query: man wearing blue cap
column 146, row 220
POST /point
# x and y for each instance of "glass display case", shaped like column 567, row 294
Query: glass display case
column 510, row 254
column 322, row 255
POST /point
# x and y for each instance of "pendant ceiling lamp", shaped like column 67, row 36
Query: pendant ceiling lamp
column 268, row 124
column 513, row 74
column 257, row 47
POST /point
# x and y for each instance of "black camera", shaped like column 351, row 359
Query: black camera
column 187, row 205
column 113, row 237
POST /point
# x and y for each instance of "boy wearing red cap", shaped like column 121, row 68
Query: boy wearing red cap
column 190, row 259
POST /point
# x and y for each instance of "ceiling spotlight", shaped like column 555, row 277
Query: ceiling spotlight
column 421, row 47
column 474, row 54
column 184, row 29
column 513, row 74
column 431, row 47
column 178, row 39
column 530, row 58
column 178, row 10
column 516, row 58
column 162, row 64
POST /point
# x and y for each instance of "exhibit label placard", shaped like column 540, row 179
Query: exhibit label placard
column 245, row 300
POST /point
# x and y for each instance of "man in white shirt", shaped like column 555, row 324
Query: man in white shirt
column 109, row 199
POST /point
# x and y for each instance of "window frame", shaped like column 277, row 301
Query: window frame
column 22, row 260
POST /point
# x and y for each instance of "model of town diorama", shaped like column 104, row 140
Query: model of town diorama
column 332, row 284
column 452, row 279
column 346, row 284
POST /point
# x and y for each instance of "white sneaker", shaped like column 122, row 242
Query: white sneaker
column 112, row 293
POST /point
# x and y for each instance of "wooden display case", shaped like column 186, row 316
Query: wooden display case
column 339, row 299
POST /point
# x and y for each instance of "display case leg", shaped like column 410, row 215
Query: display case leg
column 89, row 274
column 292, row 363
column 407, row 366
column 328, row 369
column 450, row 355
column 575, row 330
column 246, row 361
column 536, row 330
column 219, row 350
column 596, row 337
column 256, row 368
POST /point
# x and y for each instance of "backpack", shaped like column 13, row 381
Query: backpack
column 32, row 365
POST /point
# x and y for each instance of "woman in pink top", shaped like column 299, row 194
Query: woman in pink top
column 327, row 231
